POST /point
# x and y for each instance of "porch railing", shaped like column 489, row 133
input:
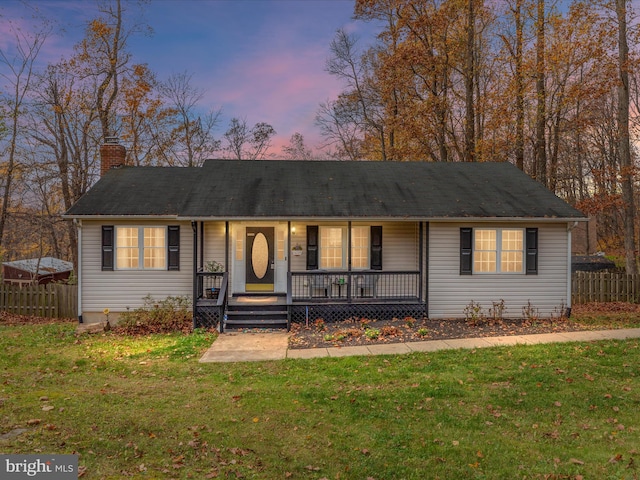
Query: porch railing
column 343, row 286
column 209, row 284
column 211, row 299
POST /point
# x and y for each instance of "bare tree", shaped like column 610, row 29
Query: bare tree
column 102, row 56
column 66, row 131
column 339, row 129
column 296, row 149
column 190, row 139
column 365, row 109
column 18, row 73
column 244, row 143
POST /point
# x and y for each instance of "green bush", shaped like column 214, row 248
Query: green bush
column 372, row 333
column 173, row 314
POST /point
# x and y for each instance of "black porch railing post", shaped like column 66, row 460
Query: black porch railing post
column 194, row 227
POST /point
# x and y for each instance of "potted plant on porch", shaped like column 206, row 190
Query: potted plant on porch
column 213, row 267
column 297, row 250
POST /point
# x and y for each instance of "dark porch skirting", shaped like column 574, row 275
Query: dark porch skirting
column 339, row 312
column 210, row 316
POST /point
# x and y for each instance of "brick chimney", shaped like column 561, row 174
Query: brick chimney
column 112, row 155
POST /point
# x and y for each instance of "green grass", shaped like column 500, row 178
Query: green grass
column 145, row 408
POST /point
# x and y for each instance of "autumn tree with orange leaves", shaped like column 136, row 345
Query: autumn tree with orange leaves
column 544, row 83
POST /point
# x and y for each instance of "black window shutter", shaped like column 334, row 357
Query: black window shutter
column 376, row 247
column 107, row 247
column 532, row 251
column 173, row 246
column 466, row 251
column 312, row 247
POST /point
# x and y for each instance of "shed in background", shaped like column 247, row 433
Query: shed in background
column 38, row 271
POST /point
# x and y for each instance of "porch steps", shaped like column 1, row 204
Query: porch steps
column 256, row 314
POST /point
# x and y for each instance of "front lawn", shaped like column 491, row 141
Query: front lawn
column 145, row 408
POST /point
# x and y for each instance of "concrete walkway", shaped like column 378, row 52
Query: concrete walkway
column 250, row 347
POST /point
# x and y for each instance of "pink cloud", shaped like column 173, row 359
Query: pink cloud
column 280, row 88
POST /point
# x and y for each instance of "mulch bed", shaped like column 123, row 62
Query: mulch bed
column 357, row 331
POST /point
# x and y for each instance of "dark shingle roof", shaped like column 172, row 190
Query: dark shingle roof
column 323, row 189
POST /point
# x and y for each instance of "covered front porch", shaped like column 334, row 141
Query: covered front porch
column 330, row 296
column 273, row 273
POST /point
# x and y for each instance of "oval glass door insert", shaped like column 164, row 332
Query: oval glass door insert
column 260, row 255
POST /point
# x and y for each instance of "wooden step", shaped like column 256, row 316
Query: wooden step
column 256, row 317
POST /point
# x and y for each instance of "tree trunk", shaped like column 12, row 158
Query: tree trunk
column 626, row 168
column 519, row 87
column 470, row 134
column 541, row 98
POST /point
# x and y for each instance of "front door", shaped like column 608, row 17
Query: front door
column 260, row 261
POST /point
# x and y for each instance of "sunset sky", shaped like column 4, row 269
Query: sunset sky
column 262, row 60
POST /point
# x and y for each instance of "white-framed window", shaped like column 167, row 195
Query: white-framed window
column 141, row 248
column 360, row 247
column 498, row 250
column 332, row 248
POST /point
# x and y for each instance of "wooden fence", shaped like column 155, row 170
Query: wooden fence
column 61, row 301
column 604, row 287
column 52, row 300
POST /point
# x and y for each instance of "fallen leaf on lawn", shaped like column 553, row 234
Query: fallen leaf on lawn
column 575, row 461
column 256, row 419
column 455, row 443
column 311, row 468
column 615, row 459
column 47, row 408
column 364, row 451
column 34, row 421
column 557, row 404
column 44, row 399
column 589, row 377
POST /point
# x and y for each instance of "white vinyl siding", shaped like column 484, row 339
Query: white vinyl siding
column 214, row 242
column 121, row 290
column 450, row 292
